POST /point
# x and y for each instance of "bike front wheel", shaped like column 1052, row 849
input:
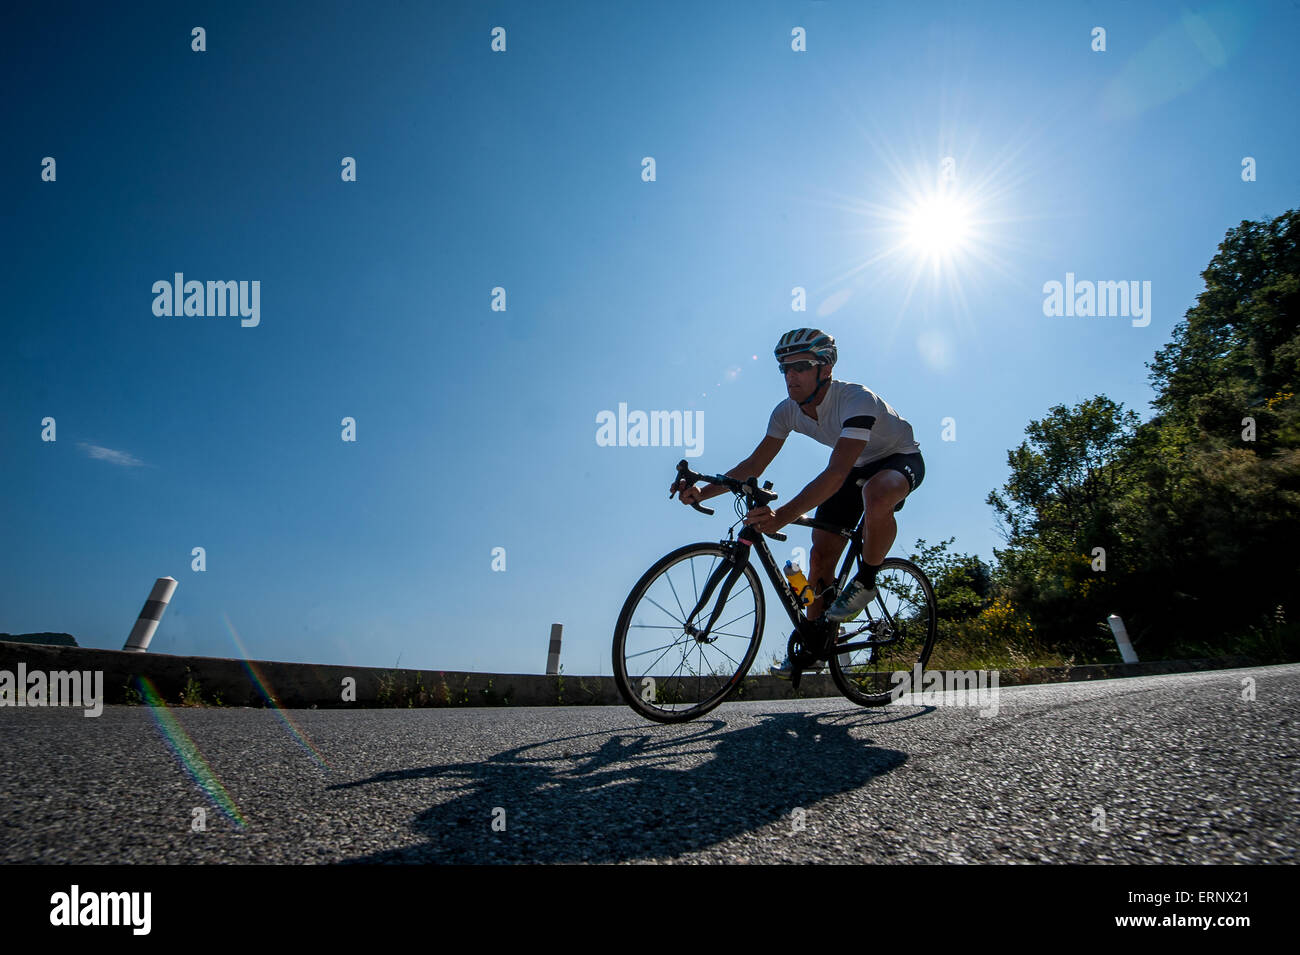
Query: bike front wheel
column 671, row 669
column 898, row 629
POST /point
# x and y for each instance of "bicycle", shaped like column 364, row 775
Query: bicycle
column 900, row 633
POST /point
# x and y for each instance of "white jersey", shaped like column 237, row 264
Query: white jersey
column 848, row 411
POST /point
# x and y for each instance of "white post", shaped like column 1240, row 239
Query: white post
column 1121, row 639
column 147, row 622
column 553, row 657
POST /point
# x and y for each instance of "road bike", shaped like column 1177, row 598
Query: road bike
column 686, row 635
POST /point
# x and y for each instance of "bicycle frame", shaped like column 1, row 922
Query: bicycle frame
column 751, row 539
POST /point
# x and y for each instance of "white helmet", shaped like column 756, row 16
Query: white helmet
column 807, row 340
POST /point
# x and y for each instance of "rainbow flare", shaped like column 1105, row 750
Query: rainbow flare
column 187, row 753
column 271, row 700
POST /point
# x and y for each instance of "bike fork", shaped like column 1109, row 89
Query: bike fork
column 732, row 570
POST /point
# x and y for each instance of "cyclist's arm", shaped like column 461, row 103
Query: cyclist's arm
column 752, row 466
column 824, row 485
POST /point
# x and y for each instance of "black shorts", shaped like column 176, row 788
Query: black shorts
column 844, row 507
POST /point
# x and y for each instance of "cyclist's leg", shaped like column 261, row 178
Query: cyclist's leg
column 826, row 550
column 882, row 496
column 879, row 496
column 843, row 508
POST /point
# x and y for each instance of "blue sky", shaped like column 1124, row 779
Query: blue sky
column 522, row 169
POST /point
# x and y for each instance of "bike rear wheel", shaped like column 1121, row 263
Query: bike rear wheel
column 664, row 666
column 900, row 624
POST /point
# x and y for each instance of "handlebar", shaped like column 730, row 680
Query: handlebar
column 756, row 496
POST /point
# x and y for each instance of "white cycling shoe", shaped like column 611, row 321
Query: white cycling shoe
column 852, row 602
column 783, row 671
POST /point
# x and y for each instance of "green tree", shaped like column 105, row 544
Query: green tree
column 1239, row 346
column 1195, row 509
column 963, row 584
column 1062, row 510
column 1219, row 499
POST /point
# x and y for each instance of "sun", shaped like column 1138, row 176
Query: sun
column 938, row 226
column 931, row 230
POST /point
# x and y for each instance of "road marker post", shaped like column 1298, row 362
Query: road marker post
column 1121, row 639
column 553, row 657
column 147, row 622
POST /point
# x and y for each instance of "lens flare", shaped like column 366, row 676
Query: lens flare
column 187, row 753
column 264, row 689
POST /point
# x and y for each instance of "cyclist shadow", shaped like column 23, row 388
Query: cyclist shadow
column 651, row 793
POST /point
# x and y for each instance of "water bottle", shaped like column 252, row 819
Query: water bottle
column 798, row 582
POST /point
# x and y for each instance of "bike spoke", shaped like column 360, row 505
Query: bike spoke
column 675, row 672
column 680, row 620
column 731, row 621
column 723, row 633
column 646, row 672
column 666, row 647
column 734, row 662
column 675, row 597
column 699, row 673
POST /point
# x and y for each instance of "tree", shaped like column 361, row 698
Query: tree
column 1219, row 498
column 1197, row 508
column 963, row 584
column 1236, row 354
column 1061, row 510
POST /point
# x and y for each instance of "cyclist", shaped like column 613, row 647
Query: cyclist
column 869, row 440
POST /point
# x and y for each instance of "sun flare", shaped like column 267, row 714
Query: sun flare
column 928, row 241
column 938, row 225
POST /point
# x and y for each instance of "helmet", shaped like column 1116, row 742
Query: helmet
column 807, row 339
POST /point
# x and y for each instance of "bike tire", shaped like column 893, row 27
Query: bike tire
column 905, row 596
column 674, row 698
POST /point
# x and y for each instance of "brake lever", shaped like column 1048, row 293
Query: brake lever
column 683, row 467
column 750, row 487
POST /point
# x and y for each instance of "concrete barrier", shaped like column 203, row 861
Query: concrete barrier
column 266, row 683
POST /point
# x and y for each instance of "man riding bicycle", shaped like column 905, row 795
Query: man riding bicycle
column 869, row 440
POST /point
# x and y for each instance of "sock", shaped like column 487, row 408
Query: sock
column 867, row 574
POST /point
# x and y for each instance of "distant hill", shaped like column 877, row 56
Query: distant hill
column 46, row 639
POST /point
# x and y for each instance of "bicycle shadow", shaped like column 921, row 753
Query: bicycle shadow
column 647, row 793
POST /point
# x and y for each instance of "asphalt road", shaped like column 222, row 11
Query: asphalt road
column 1171, row 769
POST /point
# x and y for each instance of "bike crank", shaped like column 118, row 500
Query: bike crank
column 814, row 640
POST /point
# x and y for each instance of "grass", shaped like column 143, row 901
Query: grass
column 982, row 656
column 192, row 693
column 591, row 693
column 397, row 691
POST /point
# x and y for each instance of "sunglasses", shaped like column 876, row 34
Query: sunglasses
column 798, row 367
